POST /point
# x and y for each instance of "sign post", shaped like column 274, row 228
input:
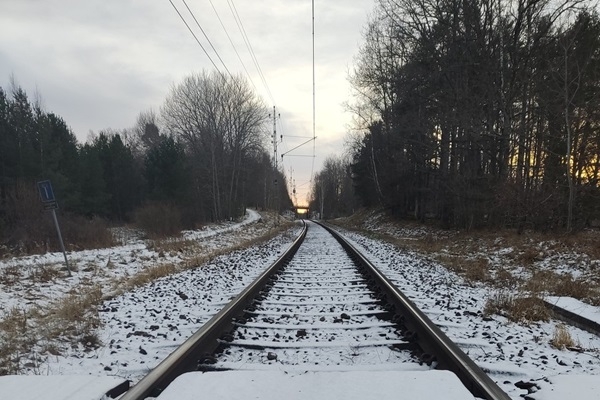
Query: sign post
column 49, row 202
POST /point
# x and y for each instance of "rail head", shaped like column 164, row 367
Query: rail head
column 430, row 335
column 206, row 338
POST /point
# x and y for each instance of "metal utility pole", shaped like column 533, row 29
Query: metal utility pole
column 275, row 138
column 276, row 195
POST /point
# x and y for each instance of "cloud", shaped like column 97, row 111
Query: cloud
column 98, row 64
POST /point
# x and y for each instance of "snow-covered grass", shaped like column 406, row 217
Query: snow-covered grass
column 485, row 291
column 529, row 264
column 45, row 312
column 452, row 277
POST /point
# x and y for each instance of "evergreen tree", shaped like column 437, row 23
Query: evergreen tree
column 122, row 178
column 59, row 158
column 166, row 173
column 92, row 186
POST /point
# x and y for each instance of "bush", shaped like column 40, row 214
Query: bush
column 83, row 233
column 29, row 229
column 562, row 338
column 159, row 220
column 518, row 309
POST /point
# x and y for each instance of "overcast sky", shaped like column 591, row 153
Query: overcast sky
column 99, row 63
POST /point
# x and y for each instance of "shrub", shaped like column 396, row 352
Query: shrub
column 159, row 220
column 562, row 338
column 14, row 340
column 83, row 233
column 517, row 309
column 528, row 256
column 558, row 285
column 26, row 228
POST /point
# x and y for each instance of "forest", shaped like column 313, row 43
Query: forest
column 206, row 162
column 474, row 114
column 468, row 113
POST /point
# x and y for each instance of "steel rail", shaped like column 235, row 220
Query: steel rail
column 571, row 318
column 205, row 340
column 429, row 336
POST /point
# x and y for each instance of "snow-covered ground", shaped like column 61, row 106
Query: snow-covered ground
column 38, row 280
column 348, row 385
column 140, row 326
column 43, row 315
column 511, row 352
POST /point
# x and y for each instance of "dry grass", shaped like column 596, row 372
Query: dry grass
column 472, row 269
column 151, row 274
column 540, row 281
column 35, row 235
column 476, row 270
column 45, row 273
column 562, row 338
column 200, row 259
column 502, row 278
column 462, row 252
column 528, row 309
column 518, row 309
column 559, row 285
column 72, row 319
column 14, row 321
column 195, row 257
column 528, row 256
column 566, row 285
column 83, row 233
column 15, row 340
column 498, row 303
column 159, row 220
column 428, row 244
column 10, row 275
column 74, row 307
column 172, row 245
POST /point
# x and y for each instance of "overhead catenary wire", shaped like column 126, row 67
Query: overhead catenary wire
column 238, row 20
column 300, row 145
column 223, row 69
column 314, row 136
column 195, row 37
column 206, row 36
column 232, row 44
column 248, row 44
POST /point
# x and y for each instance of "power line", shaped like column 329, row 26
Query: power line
column 232, row 44
column 242, row 30
column 206, row 36
column 197, row 41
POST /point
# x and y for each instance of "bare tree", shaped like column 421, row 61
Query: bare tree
column 472, row 113
column 221, row 121
column 332, row 188
column 144, row 136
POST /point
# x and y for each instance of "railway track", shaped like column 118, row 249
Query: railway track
column 321, row 306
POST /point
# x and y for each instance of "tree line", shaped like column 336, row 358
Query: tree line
column 479, row 113
column 202, row 158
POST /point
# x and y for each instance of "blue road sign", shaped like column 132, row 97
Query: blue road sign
column 46, row 192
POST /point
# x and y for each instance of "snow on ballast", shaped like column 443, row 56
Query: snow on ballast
column 315, row 312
